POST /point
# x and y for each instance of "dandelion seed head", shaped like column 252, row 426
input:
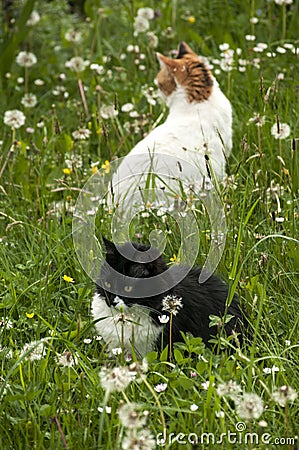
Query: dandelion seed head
column 281, row 131
column 77, row 64
column 14, row 118
column 230, row 389
column 36, row 349
column 67, row 359
column 29, row 100
column 116, row 379
column 73, row 36
column 81, row 134
column 172, row 304
column 141, row 440
column 26, row 59
column 283, row 395
column 129, row 416
column 249, row 406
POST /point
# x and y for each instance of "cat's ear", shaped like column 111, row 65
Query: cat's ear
column 167, row 63
column 111, row 250
column 183, row 50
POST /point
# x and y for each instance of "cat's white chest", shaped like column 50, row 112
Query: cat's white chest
column 131, row 328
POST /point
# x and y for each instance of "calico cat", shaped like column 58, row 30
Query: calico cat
column 126, row 321
column 198, row 127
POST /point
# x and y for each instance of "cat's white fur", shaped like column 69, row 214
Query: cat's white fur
column 131, row 328
column 191, row 131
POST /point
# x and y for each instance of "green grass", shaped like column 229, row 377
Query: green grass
column 46, row 405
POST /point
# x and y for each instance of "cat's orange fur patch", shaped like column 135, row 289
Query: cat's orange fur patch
column 187, row 71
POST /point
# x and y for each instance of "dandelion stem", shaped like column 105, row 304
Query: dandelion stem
column 10, row 151
column 57, row 423
column 284, row 22
column 83, row 98
column 26, row 80
column 170, row 337
column 106, row 398
column 159, row 406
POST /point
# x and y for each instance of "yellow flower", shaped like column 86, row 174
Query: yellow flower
column 30, row 315
column 173, row 259
column 191, row 19
column 67, row 171
column 106, row 166
column 94, row 169
column 68, row 279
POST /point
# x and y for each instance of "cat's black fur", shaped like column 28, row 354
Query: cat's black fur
column 199, row 300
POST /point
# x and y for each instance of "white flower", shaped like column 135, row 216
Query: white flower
column 29, row 100
column 73, row 161
column 163, row 319
column 205, row 385
column 14, row 118
column 172, row 304
column 194, row 407
column 160, row 387
column 73, row 36
column 272, row 369
column 4, row 323
column 129, row 417
column 116, row 351
column 108, row 409
column 133, row 48
column 283, row 2
column 39, row 82
column 116, row 379
column 284, row 395
column 127, row 107
column 249, row 406
column 77, row 64
column 36, row 350
column 146, row 13
column 230, row 389
column 250, row 37
column 33, row 19
column 98, row 68
column 280, row 131
column 254, row 20
column 87, row 341
column 26, row 59
column 81, row 134
column 67, row 359
column 223, row 47
column 139, row 440
column 108, row 112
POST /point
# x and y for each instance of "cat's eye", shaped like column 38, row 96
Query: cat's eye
column 128, row 289
column 107, row 284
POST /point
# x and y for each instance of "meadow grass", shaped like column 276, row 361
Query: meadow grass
column 51, row 396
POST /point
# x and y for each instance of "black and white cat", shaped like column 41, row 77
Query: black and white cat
column 126, row 321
